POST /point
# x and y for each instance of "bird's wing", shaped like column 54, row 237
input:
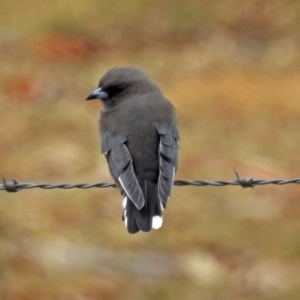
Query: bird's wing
column 120, row 163
column 168, row 160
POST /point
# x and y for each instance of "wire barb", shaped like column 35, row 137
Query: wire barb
column 10, row 186
column 244, row 182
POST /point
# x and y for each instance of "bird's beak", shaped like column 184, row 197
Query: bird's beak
column 97, row 94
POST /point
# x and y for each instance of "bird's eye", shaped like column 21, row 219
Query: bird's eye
column 115, row 90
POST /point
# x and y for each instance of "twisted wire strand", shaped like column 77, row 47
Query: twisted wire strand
column 14, row 186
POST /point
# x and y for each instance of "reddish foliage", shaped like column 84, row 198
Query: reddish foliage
column 22, row 87
column 61, row 46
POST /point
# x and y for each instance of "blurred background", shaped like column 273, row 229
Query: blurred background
column 232, row 70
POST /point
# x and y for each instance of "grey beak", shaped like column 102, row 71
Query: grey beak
column 97, row 94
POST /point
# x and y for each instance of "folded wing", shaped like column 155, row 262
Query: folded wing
column 168, row 160
column 121, row 168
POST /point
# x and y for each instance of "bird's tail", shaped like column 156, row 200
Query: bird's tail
column 149, row 216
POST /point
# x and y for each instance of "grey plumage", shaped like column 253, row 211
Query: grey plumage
column 139, row 137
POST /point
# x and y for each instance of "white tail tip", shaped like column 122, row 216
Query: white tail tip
column 157, row 222
column 124, row 202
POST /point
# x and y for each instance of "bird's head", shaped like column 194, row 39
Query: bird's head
column 121, row 83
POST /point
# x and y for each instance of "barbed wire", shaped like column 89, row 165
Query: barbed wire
column 13, row 186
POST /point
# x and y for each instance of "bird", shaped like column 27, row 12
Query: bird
column 139, row 138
